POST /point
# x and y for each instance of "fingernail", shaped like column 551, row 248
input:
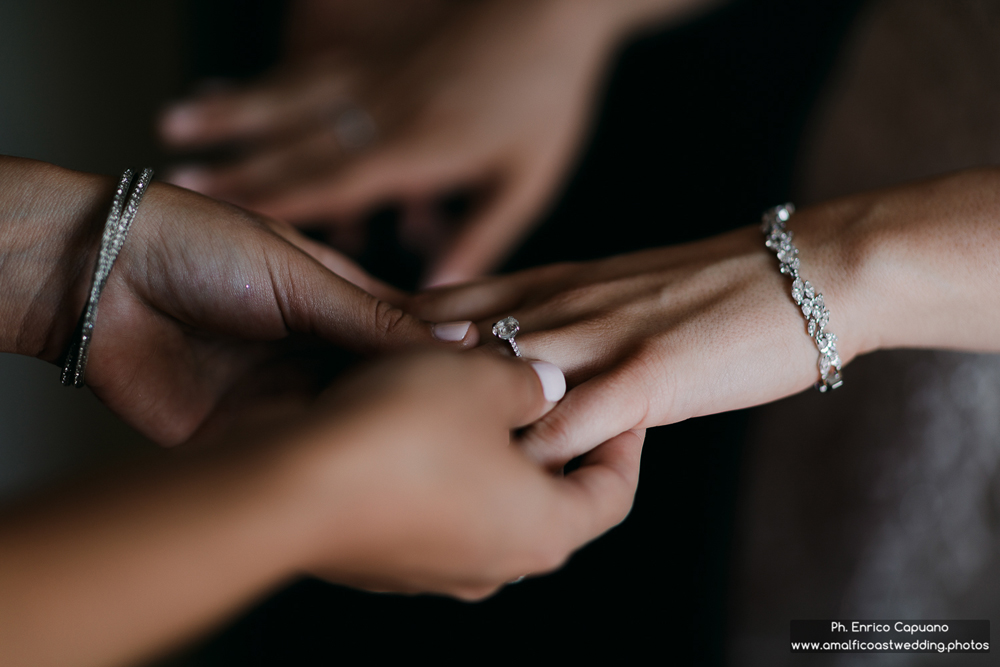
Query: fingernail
column 451, row 331
column 553, row 380
column 192, row 178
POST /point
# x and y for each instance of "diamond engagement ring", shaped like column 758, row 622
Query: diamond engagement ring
column 506, row 329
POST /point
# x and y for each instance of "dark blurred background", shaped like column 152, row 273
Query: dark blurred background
column 700, row 128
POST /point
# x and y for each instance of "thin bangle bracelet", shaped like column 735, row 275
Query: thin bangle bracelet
column 814, row 309
column 115, row 230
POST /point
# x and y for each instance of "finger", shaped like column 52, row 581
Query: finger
column 313, row 300
column 271, row 106
column 400, row 170
column 593, row 412
column 475, row 300
column 486, row 240
column 448, row 330
column 489, row 297
column 527, row 390
column 599, row 494
column 581, row 349
column 619, row 454
column 340, row 264
column 267, row 171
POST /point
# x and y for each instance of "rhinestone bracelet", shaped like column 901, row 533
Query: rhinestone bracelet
column 779, row 240
column 115, row 229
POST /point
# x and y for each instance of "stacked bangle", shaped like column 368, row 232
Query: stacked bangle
column 779, row 240
column 123, row 209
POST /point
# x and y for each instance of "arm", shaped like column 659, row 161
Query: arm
column 663, row 335
column 204, row 300
column 382, row 485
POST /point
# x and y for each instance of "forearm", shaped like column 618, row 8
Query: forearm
column 915, row 266
column 109, row 574
column 50, row 223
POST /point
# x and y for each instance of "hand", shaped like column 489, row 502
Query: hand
column 438, row 498
column 494, row 103
column 663, row 335
column 334, row 48
column 402, row 478
column 205, row 302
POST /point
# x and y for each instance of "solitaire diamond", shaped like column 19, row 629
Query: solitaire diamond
column 506, row 328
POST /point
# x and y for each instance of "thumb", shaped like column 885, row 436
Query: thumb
column 525, row 390
column 314, row 300
column 339, row 263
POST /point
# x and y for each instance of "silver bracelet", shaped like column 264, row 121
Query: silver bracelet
column 779, row 240
column 115, row 229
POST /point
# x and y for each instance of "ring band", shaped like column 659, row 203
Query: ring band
column 506, row 329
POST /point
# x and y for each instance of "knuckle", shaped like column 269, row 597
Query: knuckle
column 388, row 321
column 551, row 437
column 658, row 394
column 422, row 304
column 572, row 299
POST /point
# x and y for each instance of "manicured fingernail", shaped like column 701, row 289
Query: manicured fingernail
column 553, row 380
column 192, row 178
column 451, row 331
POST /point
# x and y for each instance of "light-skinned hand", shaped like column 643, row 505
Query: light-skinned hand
column 663, row 335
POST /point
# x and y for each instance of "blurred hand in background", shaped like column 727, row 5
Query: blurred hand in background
column 410, row 104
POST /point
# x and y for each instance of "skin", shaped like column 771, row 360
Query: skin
column 492, row 100
column 667, row 334
column 400, row 477
column 381, row 484
column 206, row 304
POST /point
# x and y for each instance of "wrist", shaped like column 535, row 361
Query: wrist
column 828, row 237
column 910, row 267
column 923, row 259
column 50, row 225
